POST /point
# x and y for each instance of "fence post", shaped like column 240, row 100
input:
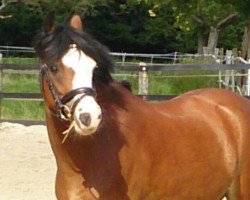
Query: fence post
column 1, row 81
column 205, row 50
column 221, row 58
column 143, row 79
column 248, row 81
column 216, row 53
column 152, row 59
column 175, row 56
column 123, row 58
column 229, row 73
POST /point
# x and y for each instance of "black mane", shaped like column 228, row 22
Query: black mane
column 51, row 47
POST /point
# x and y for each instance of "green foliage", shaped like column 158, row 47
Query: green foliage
column 63, row 8
column 21, row 28
column 231, row 37
column 129, row 28
column 153, row 26
column 198, row 16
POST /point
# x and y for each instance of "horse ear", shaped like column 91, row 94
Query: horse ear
column 76, row 22
column 49, row 23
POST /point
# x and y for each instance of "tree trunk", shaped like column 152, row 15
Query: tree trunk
column 215, row 29
column 246, row 43
column 213, row 39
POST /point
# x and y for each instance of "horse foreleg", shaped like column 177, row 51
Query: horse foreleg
column 240, row 189
column 245, row 180
column 234, row 190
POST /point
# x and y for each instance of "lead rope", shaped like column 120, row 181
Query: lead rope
column 66, row 132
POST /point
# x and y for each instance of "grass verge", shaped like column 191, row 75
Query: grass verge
column 160, row 83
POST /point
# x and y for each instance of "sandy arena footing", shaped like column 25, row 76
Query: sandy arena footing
column 28, row 168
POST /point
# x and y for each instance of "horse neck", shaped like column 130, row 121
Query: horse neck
column 113, row 96
column 115, row 101
column 77, row 150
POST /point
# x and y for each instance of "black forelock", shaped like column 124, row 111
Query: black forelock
column 51, row 47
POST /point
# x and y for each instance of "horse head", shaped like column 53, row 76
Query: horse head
column 73, row 65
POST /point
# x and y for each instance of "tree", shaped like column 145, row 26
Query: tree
column 62, row 8
column 21, row 28
column 243, row 10
column 217, row 17
column 135, row 25
column 129, row 28
column 4, row 3
column 206, row 17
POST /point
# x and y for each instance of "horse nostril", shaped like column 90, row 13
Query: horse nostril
column 85, row 118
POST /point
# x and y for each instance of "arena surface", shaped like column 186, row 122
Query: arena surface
column 27, row 165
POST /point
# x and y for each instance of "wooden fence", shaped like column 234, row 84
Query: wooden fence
column 141, row 68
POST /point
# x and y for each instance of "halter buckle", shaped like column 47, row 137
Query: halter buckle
column 65, row 113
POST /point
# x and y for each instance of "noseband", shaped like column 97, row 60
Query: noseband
column 62, row 110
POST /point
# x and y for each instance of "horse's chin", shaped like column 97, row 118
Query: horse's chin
column 85, row 131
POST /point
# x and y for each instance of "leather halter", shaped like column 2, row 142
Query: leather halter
column 62, row 110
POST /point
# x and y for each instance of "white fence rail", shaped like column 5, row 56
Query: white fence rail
column 226, row 77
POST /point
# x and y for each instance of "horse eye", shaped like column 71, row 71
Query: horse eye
column 53, row 68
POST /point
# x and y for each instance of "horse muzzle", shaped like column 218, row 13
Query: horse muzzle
column 87, row 116
column 81, row 109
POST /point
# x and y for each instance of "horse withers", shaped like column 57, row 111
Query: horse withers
column 111, row 145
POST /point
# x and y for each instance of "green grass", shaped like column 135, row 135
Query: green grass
column 14, row 60
column 176, row 83
column 132, row 77
column 21, row 83
column 160, row 83
column 23, row 110
column 171, row 83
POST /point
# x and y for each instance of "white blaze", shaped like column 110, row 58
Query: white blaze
column 82, row 65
